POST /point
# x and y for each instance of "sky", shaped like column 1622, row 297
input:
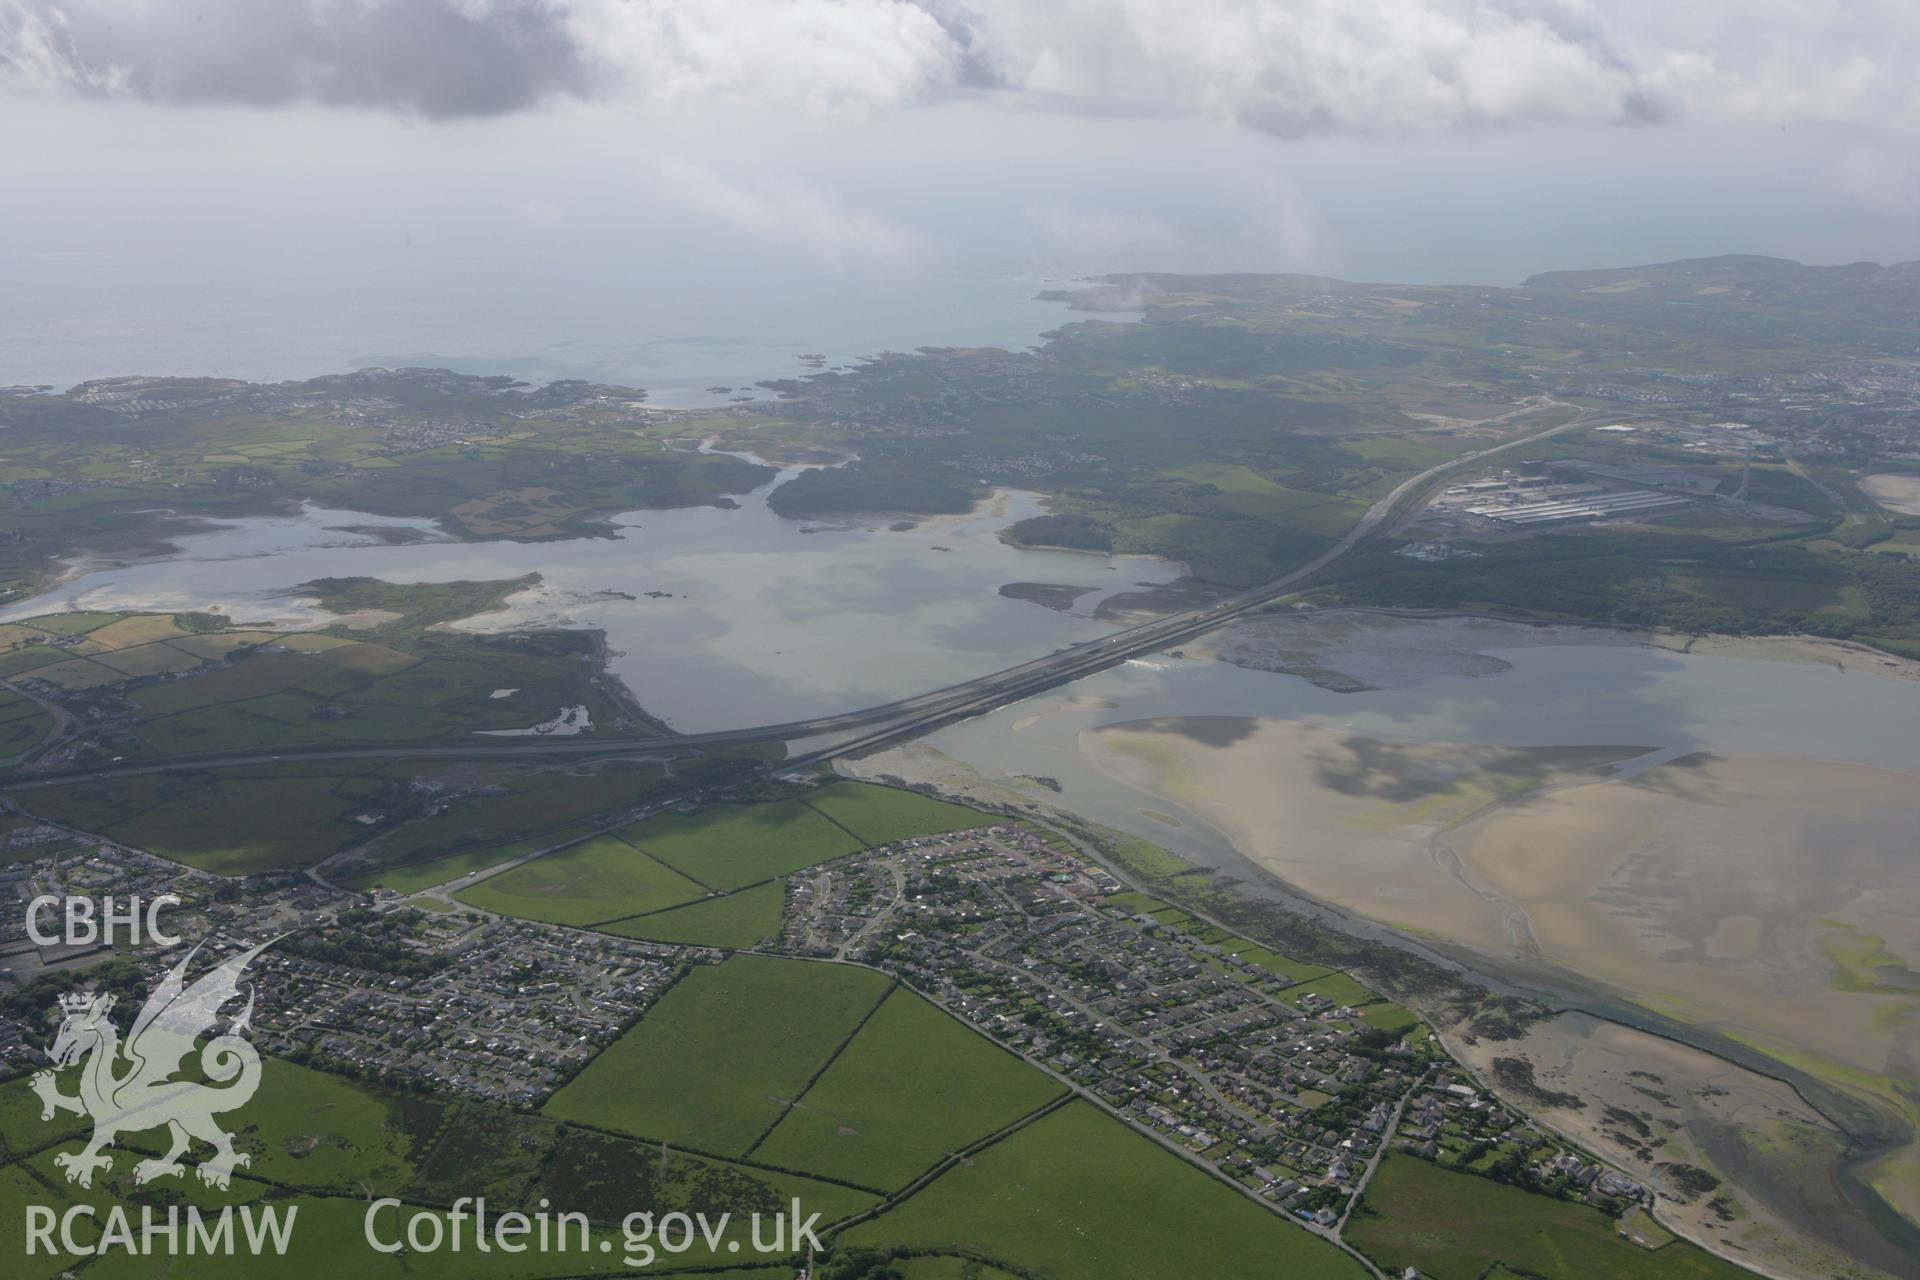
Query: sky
column 243, row 151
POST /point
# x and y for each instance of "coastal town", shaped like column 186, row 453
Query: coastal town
column 1290, row 1079
column 485, row 1007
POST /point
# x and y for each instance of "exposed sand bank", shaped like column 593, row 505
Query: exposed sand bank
column 1776, row 902
column 1842, row 654
column 1353, row 649
column 1375, row 828
column 1067, row 705
column 1349, row 820
column 1778, row 865
column 1655, row 1108
column 1894, row 492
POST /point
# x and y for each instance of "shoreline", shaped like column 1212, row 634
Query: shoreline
column 1787, row 646
column 1692, row 1218
column 924, row 764
column 184, row 576
column 1490, row 930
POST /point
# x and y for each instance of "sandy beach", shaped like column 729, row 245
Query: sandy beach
column 1841, row 654
column 1775, row 902
column 1894, row 492
column 1349, row 820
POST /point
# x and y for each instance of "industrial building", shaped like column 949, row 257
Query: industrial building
column 1591, row 506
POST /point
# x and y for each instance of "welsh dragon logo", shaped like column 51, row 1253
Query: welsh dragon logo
column 127, row 1086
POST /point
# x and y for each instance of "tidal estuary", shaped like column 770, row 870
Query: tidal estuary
column 716, row 618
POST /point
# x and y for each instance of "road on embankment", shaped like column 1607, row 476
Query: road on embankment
column 890, row 720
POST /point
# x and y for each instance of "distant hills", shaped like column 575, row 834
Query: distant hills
column 1746, row 277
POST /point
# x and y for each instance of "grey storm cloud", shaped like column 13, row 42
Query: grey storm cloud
column 433, row 57
column 1287, row 67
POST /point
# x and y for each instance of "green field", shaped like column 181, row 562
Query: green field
column 246, row 819
column 1293, row 971
column 520, row 802
column 1695, row 580
column 1337, row 987
column 411, row 877
column 323, row 1145
column 471, row 1148
column 881, row 815
column 304, row 1128
column 598, row 879
column 715, row 1061
column 407, row 687
column 732, row 846
column 950, row 1269
column 312, row 1129
column 329, row 1239
column 175, row 684
column 22, row 724
column 738, row 920
column 76, row 623
column 231, row 822
column 913, row 1086
column 1389, row 1017
column 1078, row 1196
column 1454, row 1226
column 31, row 657
column 21, row 1128
column 18, row 1188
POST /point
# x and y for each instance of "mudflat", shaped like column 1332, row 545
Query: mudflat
column 1349, row 819
column 1894, row 492
column 1707, row 1133
column 1773, row 901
